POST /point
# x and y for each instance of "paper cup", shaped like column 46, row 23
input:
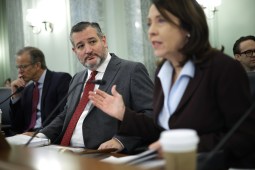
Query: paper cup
column 179, row 148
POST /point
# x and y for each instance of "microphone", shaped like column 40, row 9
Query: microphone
column 205, row 165
column 99, row 82
column 19, row 89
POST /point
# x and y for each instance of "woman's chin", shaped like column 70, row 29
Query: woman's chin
column 159, row 54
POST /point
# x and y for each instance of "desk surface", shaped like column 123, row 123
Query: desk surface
column 32, row 158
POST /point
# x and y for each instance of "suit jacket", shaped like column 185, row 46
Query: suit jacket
column 55, row 87
column 251, row 76
column 132, row 82
column 214, row 100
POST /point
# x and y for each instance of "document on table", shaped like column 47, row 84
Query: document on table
column 23, row 139
column 78, row 151
column 63, row 149
column 133, row 159
column 147, row 159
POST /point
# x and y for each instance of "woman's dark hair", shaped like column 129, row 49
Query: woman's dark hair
column 193, row 20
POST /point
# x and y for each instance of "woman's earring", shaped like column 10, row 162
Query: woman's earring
column 188, row 35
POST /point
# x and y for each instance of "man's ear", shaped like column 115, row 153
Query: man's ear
column 237, row 57
column 103, row 39
column 39, row 64
column 74, row 50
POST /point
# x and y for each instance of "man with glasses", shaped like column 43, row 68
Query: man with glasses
column 43, row 90
column 244, row 51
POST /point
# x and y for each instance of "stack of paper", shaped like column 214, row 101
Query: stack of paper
column 146, row 160
column 133, row 159
column 23, row 139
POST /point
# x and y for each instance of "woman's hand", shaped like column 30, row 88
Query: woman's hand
column 157, row 146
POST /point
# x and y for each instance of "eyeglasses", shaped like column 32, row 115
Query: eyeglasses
column 22, row 67
column 248, row 53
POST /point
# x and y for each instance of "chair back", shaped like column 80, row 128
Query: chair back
column 5, row 92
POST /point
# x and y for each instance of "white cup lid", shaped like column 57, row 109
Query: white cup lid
column 179, row 140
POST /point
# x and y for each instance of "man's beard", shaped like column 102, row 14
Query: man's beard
column 100, row 60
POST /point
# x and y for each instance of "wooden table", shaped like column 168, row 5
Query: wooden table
column 20, row 158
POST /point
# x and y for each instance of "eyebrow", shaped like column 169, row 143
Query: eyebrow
column 157, row 16
column 92, row 38
column 79, row 43
column 89, row 39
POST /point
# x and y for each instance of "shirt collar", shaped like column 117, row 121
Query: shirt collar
column 41, row 79
column 187, row 70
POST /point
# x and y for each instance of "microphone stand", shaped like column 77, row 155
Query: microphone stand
column 52, row 112
column 17, row 91
column 226, row 137
column 100, row 82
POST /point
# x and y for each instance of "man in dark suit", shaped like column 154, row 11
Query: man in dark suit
column 51, row 88
column 94, row 129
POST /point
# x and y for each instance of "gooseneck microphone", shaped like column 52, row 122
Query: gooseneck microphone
column 59, row 104
column 19, row 89
column 205, row 165
column 99, row 82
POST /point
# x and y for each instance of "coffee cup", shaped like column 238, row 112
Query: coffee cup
column 179, row 148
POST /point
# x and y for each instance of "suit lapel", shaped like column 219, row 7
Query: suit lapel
column 46, row 86
column 75, row 98
column 109, row 75
column 29, row 98
column 191, row 88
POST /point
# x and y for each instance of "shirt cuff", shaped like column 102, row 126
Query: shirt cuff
column 14, row 100
column 41, row 135
column 122, row 146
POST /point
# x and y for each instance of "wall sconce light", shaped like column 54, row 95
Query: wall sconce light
column 209, row 7
column 48, row 26
column 36, row 20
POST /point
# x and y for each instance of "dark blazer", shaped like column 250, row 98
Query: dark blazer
column 251, row 76
column 132, row 82
column 213, row 102
column 55, row 87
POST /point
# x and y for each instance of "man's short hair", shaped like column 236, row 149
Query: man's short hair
column 84, row 25
column 36, row 55
column 236, row 47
